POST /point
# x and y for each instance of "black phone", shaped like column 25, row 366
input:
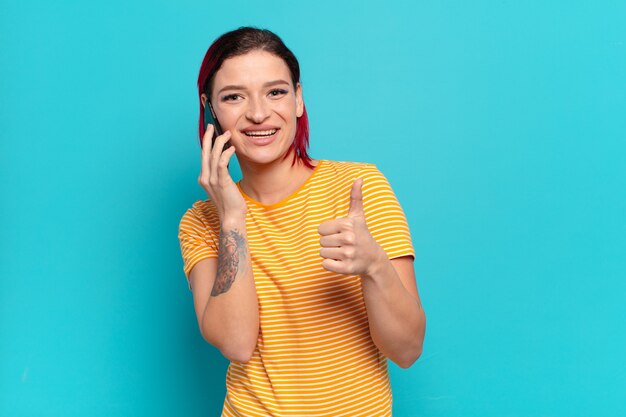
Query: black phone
column 209, row 117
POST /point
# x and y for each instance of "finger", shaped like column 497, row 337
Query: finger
column 334, row 266
column 206, row 139
column 332, row 253
column 356, row 199
column 223, row 164
column 331, row 241
column 206, row 148
column 205, row 161
column 330, row 227
column 216, row 152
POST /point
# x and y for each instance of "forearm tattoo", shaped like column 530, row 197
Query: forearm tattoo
column 232, row 253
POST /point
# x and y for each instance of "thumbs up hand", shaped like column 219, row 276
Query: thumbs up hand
column 347, row 245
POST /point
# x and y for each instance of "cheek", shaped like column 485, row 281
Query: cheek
column 227, row 117
column 289, row 109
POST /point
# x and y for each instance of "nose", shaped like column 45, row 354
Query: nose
column 258, row 110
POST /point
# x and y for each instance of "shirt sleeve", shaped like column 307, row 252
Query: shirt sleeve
column 385, row 218
column 197, row 237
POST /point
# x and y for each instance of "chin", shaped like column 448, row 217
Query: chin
column 265, row 157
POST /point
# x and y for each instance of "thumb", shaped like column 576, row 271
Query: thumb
column 356, row 199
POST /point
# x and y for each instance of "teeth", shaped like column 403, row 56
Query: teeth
column 261, row 132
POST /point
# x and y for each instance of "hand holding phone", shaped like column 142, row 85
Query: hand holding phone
column 214, row 176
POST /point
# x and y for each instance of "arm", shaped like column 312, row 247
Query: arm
column 396, row 319
column 225, row 298
column 224, row 293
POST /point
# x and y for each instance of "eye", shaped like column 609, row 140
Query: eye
column 277, row 92
column 230, row 97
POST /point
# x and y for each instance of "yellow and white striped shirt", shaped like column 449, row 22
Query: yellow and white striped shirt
column 314, row 355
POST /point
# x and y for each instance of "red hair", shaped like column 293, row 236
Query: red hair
column 239, row 42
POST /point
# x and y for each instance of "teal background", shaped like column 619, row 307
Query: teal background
column 500, row 125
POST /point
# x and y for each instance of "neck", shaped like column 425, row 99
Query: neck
column 271, row 183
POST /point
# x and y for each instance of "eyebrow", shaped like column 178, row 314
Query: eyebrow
column 241, row 87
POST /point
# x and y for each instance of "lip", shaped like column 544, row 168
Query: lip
column 256, row 128
column 261, row 140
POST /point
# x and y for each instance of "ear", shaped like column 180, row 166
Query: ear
column 203, row 98
column 299, row 101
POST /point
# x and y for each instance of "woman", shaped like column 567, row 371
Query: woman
column 302, row 272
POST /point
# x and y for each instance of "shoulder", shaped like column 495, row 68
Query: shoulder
column 350, row 168
column 200, row 214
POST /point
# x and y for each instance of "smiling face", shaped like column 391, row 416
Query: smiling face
column 253, row 97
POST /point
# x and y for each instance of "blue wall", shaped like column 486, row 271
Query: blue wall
column 501, row 127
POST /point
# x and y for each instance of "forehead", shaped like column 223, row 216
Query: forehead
column 254, row 67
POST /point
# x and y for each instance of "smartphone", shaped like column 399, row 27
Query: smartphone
column 209, row 117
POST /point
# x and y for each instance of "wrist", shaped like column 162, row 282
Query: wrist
column 233, row 222
column 378, row 266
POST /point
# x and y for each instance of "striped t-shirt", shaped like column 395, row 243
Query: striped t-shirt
column 314, row 355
